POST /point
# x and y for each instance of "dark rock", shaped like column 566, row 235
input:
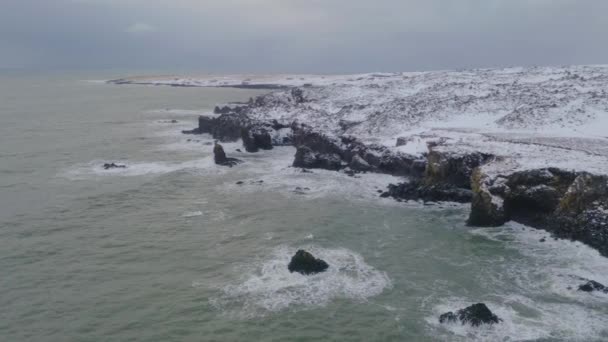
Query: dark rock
column 240, row 182
column 298, row 95
column 220, row 157
column 222, row 110
column 108, row 166
column 475, row 315
column 305, row 263
column 451, row 168
column 385, row 195
column 191, row 131
column 256, row 138
column 418, row 190
column 592, row 286
column 238, row 150
column 486, row 208
column 379, row 191
column 542, row 240
column 306, row 158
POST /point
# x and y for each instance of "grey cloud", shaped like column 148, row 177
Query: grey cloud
column 301, row 36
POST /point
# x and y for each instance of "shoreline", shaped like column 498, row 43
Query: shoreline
column 555, row 180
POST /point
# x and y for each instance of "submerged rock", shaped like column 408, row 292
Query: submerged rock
column 220, row 158
column 305, row 263
column 108, row 166
column 475, row 315
column 592, row 286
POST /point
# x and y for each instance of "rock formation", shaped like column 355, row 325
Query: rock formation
column 592, row 286
column 306, row 264
column 475, row 315
column 220, row 157
column 108, row 166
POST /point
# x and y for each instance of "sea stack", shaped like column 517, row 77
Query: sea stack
column 220, row 156
column 306, row 264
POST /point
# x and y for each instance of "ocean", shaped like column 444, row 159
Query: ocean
column 171, row 248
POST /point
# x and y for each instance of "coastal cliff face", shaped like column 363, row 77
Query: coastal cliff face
column 571, row 205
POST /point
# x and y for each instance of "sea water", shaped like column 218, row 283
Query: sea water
column 171, row 248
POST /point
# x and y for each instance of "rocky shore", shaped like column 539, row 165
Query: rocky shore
column 570, row 204
column 518, row 144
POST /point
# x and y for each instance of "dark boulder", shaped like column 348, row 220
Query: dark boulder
column 592, row 286
column 475, row 315
column 220, row 157
column 305, row 263
column 307, row 158
column 108, row 166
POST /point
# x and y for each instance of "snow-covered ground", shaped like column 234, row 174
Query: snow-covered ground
column 536, row 117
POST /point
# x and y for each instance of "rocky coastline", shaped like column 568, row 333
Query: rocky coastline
column 568, row 204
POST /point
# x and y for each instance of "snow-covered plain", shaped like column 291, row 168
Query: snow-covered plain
column 534, row 117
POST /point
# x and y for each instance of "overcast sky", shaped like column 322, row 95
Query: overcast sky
column 301, row 35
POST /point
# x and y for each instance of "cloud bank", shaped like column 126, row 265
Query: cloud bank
column 301, row 36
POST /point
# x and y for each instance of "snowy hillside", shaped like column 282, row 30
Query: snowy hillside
column 544, row 116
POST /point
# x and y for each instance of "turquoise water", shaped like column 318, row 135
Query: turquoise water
column 172, row 249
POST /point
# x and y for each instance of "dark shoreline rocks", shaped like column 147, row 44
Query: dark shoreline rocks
column 570, row 205
column 475, row 315
column 306, row 264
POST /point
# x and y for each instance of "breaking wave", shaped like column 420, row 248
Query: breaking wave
column 269, row 287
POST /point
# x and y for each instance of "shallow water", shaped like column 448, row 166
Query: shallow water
column 172, row 249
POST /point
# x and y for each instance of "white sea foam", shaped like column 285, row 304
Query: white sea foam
column 95, row 168
column 275, row 170
column 523, row 320
column 192, row 213
column 556, row 266
column 269, row 287
column 544, row 303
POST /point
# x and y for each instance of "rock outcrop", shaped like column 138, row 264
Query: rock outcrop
column 592, row 286
column 256, row 138
column 306, row 264
column 571, row 205
column 428, row 192
column 108, row 166
column 220, row 158
column 475, row 315
column 307, row 158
